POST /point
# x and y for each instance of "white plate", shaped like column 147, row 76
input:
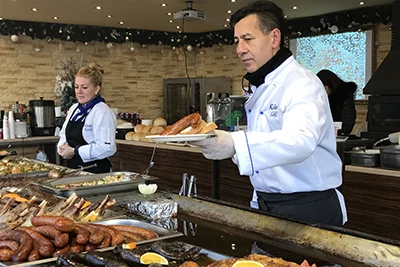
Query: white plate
column 179, row 137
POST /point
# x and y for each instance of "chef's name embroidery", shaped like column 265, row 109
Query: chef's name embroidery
column 274, row 110
column 88, row 128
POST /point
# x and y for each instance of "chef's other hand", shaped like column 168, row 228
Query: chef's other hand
column 66, row 151
column 219, row 147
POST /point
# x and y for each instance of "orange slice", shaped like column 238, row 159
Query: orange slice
column 150, row 257
column 245, row 263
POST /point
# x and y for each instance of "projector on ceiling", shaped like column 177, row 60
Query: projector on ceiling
column 190, row 13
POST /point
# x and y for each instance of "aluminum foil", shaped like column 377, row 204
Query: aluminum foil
column 154, row 209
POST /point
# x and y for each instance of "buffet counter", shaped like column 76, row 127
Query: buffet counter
column 371, row 195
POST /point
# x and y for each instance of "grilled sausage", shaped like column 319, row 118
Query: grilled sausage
column 75, row 247
column 82, row 235
column 25, row 241
column 34, row 255
column 193, row 120
column 60, row 239
column 146, row 234
column 61, row 251
column 116, row 237
column 130, row 237
column 60, row 223
column 96, row 235
column 5, row 254
column 46, row 246
column 90, row 247
column 9, row 244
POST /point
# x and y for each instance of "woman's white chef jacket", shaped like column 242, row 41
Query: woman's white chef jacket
column 98, row 131
column 290, row 143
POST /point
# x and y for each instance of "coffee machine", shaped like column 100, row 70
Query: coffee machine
column 42, row 119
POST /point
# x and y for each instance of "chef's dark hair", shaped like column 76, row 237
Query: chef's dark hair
column 330, row 79
column 92, row 71
column 269, row 15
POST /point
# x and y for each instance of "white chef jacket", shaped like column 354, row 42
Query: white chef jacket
column 98, row 131
column 290, row 143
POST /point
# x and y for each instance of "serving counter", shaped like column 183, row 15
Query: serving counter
column 371, row 195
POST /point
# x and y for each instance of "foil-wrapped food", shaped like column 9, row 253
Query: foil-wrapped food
column 155, row 209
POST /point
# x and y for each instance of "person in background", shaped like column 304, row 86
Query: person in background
column 88, row 133
column 341, row 99
column 289, row 148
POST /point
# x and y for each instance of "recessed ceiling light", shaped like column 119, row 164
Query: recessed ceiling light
column 229, row 11
column 179, row 31
column 34, row 9
column 228, row 20
column 109, row 16
column 362, row 3
column 170, row 21
column 169, row 14
column 1, row 18
column 225, row 25
column 295, row 7
column 121, row 22
column 233, row 1
column 177, row 27
column 285, row 17
column 55, row 17
column 163, row 4
column 98, row 7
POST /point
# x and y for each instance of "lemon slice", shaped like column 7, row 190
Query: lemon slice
column 244, row 263
column 147, row 189
column 150, row 257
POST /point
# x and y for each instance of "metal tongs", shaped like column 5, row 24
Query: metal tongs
column 81, row 168
column 151, row 164
column 188, row 185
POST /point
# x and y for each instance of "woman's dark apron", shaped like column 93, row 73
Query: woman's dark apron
column 74, row 136
column 321, row 207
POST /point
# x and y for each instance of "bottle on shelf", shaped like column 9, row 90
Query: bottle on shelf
column 11, row 124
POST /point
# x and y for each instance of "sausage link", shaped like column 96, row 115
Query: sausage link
column 190, row 120
column 75, row 247
column 96, row 235
column 61, row 251
column 90, row 247
column 116, row 237
column 35, row 254
column 82, row 235
column 60, row 223
column 9, row 244
column 131, row 237
column 60, row 239
column 46, row 246
column 146, row 234
column 5, row 254
column 25, row 244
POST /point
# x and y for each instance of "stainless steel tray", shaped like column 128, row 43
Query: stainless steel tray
column 162, row 233
column 50, row 185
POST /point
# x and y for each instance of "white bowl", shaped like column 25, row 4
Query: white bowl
column 147, row 189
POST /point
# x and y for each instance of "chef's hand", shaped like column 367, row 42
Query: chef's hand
column 219, row 147
column 66, row 151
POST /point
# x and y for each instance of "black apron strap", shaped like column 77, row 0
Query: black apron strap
column 322, row 207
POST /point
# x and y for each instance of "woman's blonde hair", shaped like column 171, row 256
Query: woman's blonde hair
column 92, row 71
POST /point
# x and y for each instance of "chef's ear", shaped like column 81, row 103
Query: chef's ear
column 276, row 37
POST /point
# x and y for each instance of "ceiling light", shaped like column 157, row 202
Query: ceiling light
column 170, row 21
column 225, row 25
column 229, row 11
column 34, row 9
column 177, row 27
column 295, row 7
column 169, row 14
column 163, row 4
column 1, row 18
column 285, row 17
column 55, row 17
column 180, row 32
column 98, row 7
column 109, row 16
column 121, row 22
column 233, row 1
column 228, row 20
column 362, row 3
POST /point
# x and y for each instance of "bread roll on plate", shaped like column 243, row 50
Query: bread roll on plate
column 156, row 130
column 139, row 128
column 160, row 122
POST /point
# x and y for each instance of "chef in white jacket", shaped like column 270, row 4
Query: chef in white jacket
column 289, row 148
column 88, row 133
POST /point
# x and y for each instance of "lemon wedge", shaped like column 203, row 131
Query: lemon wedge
column 147, row 189
column 150, row 257
column 245, row 263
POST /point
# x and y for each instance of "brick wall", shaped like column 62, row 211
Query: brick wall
column 133, row 80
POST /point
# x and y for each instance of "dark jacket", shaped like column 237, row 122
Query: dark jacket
column 342, row 106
